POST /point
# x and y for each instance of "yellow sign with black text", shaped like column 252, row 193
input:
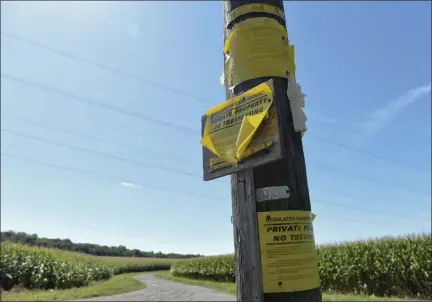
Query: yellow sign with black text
column 288, row 253
column 255, row 48
column 231, row 125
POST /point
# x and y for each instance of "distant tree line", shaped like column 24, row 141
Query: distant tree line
column 87, row 248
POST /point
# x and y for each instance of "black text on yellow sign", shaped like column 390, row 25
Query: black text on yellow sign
column 307, row 229
column 288, row 253
column 242, row 132
column 231, row 125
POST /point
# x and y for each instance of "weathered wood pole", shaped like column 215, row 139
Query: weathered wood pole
column 290, row 172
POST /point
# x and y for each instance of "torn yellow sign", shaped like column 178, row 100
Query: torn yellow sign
column 256, row 48
column 230, row 126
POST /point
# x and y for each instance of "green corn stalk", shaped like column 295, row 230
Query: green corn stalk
column 390, row 266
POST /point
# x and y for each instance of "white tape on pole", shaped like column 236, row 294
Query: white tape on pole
column 297, row 103
column 272, row 193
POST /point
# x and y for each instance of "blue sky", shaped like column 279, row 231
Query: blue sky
column 364, row 66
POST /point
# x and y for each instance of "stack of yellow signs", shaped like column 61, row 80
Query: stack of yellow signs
column 231, row 125
column 254, row 48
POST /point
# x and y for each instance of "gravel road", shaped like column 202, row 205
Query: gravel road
column 164, row 290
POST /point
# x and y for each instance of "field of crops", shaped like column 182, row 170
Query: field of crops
column 383, row 267
column 42, row 268
column 131, row 260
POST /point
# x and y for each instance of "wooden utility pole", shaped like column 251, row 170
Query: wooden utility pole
column 289, row 172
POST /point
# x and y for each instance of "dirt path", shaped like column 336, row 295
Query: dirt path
column 164, row 290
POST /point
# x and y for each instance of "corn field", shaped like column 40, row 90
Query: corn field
column 383, row 267
column 215, row 268
column 42, row 268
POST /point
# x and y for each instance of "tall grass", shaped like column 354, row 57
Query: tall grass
column 44, row 268
column 383, row 267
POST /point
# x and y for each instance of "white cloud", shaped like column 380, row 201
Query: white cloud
column 381, row 117
column 129, row 185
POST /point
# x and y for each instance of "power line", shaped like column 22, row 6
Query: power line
column 154, row 166
column 117, row 109
column 107, row 68
column 369, row 179
column 128, row 75
column 110, row 69
column 195, row 175
column 361, row 221
column 102, row 66
column 338, row 221
column 94, row 103
column 355, row 198
column 363, row 209
column 119, row 180
column 169, row 124
column 94, row 152
column 104, row 176
column 362, row 151
column 91, row 137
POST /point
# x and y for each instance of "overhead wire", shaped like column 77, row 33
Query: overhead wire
column 92, row 137
column 321, row 167
column 108, row 177
column 180, row 92
column 102, row 66
column 120, row 180
column 371, row 180
column 99, row 153
column 94, row 102
column 367, row 210
column 371, row 154
column 127, row 75
column 169, row 124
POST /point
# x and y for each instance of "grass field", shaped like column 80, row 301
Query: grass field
column 116, row 285
column 230, row 288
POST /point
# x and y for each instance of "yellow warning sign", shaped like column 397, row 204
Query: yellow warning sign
column 257, row 47
column 288, row 253
column 231, row 125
